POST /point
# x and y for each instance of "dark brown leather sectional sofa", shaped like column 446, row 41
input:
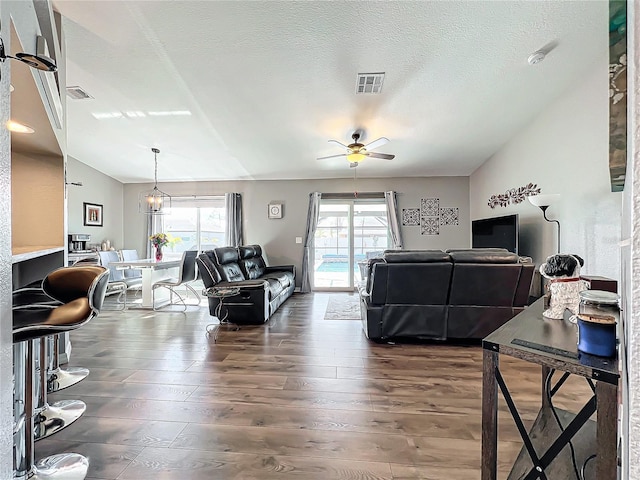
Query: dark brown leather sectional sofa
column 431, row 294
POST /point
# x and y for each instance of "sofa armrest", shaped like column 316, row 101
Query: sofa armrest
column 256, row 284
column 208, row 271
column 250, row 305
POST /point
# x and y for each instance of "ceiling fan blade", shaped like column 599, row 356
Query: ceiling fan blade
column 332, row 156
column 377, row 143
column 383, row 156
column 338, row 143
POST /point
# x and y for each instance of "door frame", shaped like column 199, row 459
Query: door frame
column 352, row 202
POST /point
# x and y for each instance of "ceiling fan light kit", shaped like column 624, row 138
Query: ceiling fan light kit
column 356, row 151
column 355, row 157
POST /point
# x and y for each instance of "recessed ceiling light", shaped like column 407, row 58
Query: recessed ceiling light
column 18, row 127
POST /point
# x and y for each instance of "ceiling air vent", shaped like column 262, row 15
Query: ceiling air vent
column 77, row 93
column 369, row 82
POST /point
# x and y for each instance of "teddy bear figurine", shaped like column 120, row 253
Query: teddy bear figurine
column 565, row 285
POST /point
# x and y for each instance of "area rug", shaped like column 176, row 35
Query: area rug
column 343, row 308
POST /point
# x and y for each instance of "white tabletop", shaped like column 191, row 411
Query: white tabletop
column 148, row 263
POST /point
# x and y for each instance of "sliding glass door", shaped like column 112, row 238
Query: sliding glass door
column 348, row 232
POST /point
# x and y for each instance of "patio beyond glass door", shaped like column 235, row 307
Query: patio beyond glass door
column 348, row 232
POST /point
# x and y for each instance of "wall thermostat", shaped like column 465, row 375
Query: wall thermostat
column 275, row 210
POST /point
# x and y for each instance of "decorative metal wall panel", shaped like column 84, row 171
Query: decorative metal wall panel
column 449, row 216
column 429, row 207
column 411, row 217
column 430, row 225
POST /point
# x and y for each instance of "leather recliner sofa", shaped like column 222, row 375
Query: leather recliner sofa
column 431, row 294
column 262, row 289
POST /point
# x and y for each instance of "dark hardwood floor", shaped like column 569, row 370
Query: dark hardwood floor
column 298, row 398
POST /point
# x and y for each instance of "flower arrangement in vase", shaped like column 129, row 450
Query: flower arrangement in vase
column 159, row 240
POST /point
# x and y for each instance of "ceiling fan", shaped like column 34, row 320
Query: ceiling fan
column 356, row 151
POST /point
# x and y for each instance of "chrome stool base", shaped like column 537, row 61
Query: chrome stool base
column 57, row 416
column 64, row 466
column 60, row 379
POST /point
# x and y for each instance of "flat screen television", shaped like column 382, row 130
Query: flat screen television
column 499, row 232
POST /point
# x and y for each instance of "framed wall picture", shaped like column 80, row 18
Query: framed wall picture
column 92, row 214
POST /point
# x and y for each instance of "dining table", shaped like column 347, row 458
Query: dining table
column 152, row 271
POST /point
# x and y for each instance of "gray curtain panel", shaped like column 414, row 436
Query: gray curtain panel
column 235, row 234
column 312, row 223
column 393, row 218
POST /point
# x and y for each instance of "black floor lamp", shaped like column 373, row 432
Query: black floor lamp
column 544, row 201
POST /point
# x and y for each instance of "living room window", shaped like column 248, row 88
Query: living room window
column 195, row 223
column 348, row 232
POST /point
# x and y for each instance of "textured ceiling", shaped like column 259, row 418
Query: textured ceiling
column 268, row 83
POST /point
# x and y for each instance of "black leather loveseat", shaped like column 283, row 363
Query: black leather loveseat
column 431, row 294
column 262, row 289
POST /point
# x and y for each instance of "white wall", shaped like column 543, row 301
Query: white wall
column 564, row 150
column 96, row 188
column 278, row 236
column 631, row 262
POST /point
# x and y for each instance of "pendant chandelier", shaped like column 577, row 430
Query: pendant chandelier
column 155, row 201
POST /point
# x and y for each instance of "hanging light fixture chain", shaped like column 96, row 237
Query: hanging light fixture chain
column 355, row 182
column 155, row 173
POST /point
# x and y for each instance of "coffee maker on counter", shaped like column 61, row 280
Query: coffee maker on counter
column 79, row 243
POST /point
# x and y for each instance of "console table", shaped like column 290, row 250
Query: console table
column 553, row 345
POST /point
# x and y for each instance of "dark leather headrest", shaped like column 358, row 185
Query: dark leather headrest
column 226, row 255
column 207, row 268
column 415, row 256
column 488, row 249
column 249, row 251
column 484, row 256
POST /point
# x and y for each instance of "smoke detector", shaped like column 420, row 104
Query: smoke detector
column 536, row 57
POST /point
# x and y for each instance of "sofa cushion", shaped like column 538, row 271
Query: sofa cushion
column 284, row 278
column 275, row 287
column 224, row 255
column 415, row 256
column 252, row 268
column 227, row 262
column 249, row 251
column 484, row 256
